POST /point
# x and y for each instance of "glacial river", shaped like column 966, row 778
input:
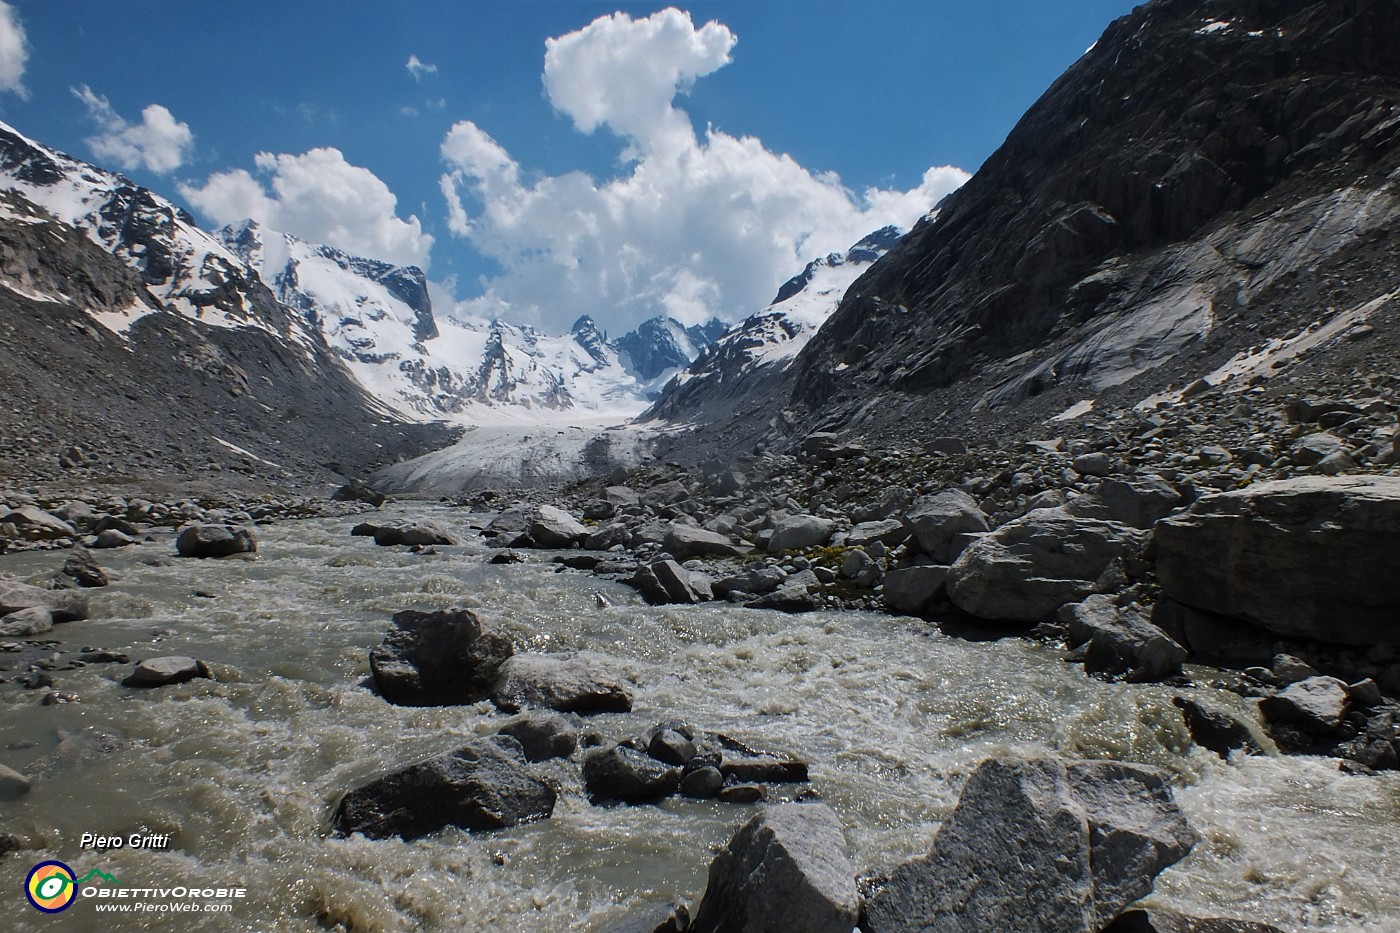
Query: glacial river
column 244, row 771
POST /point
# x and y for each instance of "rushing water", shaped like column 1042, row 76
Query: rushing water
column 244, row 770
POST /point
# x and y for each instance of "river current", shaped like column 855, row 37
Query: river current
column 244, row 771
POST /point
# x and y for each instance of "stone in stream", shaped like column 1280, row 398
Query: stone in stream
column 163, row 672
column 542, row 734
column 1316, row 705
column 1215, row 729
column 552, row 527
column 36, row 620
column 783, row 871
column 1028, row 568
column 419, row 532
column 63, row 605
column 484, row 785
column 622, row 773
column 702, row 783
column 444, row 658
column 1156, row 920
column 567, row 683
column 81, row 568
column 1038, row 844
column 1121, row 642
column 12, row 783
column 1310, row 557
column 110, row 539
column 215, row 541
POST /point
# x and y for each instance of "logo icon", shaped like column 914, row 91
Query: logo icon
column 51, row 887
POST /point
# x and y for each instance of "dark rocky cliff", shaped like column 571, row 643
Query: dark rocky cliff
column 1209, row 175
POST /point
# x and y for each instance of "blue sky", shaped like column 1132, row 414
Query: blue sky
column 651, row 162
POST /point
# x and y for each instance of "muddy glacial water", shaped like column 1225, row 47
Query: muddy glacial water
column 244, row 771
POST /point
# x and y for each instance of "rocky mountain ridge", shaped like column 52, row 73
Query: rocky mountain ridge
column 1208, row 199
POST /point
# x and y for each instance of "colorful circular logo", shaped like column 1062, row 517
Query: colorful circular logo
column 51, row 887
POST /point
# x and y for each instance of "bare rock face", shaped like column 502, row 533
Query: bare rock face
column 1027, row 569
column 1312, row 557
column 438, row 658
column 483, row 785
column 785, row 870
column 1040, row 844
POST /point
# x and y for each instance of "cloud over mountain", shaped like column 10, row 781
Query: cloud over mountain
column 692, row 225
column 159, row 143
column 320, row 197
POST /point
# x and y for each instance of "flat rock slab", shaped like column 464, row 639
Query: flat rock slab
column 444, row 658
column 1311, row 558
column 1038, row 844
column 581, row 683
column 484, row 785
column 783, row 871
column 162, row 672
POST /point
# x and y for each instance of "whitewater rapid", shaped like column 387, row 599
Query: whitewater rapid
column 243, row 771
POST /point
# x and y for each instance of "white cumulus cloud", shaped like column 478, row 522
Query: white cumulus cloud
column 14, row 51
column 319, row 197
column 692, row 226
column 159, row 143
column 418, row 68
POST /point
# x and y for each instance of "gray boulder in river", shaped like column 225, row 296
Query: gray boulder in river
column 215, row 541
column 1038, row 844
column 1312, row 557
column 783, row 871
column 438, row 658
column 485, row 784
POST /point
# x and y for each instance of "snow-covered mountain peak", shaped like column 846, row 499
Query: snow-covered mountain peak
column 185, row 269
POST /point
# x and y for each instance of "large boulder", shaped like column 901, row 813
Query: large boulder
column 419, row 533
column 783, row 871
column 542, row 734
column 686, row 541
column 890, row 532
column 1040, row 844
column 1027, row 569
column 940, row 523
column 485, row 784
column 62, row 605
column 1121, row 642
column 23, row 623
column 1312, row 557
column 438, row 658
column 914, row 589
column 566, row 683
column 37, row 523
column 1316, row 705
column 215, row 541
column 1139, row 502
column 799, row 532
column 622, row 773
column 552, row 527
